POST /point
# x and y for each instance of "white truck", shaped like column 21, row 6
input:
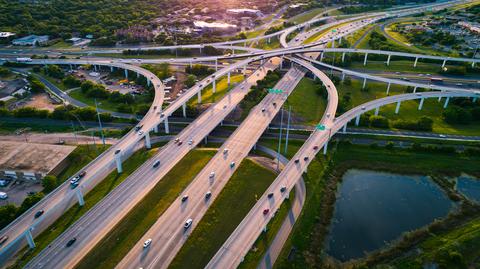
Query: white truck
column 24, row 60
column 3, row 195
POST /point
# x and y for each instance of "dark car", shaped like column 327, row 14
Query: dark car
column 184, row 198
column 305, row 159
column 208, row 195
column 71, row 241
column 3, row 239
column 39, row 213
column 82, row 174
column 315, row 148
column 156, row 164
column 297, row 160
column 283, row 189
column 265, row 211
column 270, row 195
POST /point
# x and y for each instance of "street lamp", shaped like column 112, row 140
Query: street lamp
column 99, row 122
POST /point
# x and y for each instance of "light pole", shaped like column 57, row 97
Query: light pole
column 288, row 129
column 279, row 140
column 99, row 122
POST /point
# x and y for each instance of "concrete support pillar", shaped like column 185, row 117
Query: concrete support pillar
column 333, row 43
column 343, row 57
column 421, row 104
column 444, row 63
column 148, row 82
column 388, row 59
column 446, row 102
column 79, row 194
column 199, row 97
column 357, row 120
column 415, row 89
column 118, row 161
column 321, row 56
column 165, row 122
column 111, row 68
column 473, row 64
column 206, row 139
column 138, row 75
column 200, row 50
column 388, row 88
column 474, row 100
column 228, row 78
column 191, row 65
column 343, row 76
column 397, row 109
column 364, row 83
column 216, row 65
column 148, row 143
column 281, row 63
column 416, row 60
column 184, row 110
column 345, row 128
column 29, row 237
column 245, row 43
column 155, row 129
column 126, row 74
column 377, row 110
column 325, row 148
column 95, row 67
column 439, row 98
column 269, row 40
column 245, row 70
column 71, row 68
column 365, row 59
column 340, row 40
column 214, row 84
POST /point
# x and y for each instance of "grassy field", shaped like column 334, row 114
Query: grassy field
column 11, row 127
column 80, row 157
column 222, row 88
column 92, row 198
column 274, row 44
column 464, row 240
column 249, row 182
column 308, row 246
column 303, row 17
column 306, row 103
column 358, row 34
column 123, row 237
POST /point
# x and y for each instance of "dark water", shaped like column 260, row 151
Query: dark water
column 470, row 187
column 373, row 208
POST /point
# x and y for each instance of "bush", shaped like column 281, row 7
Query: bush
column 457, row 115
column 199, row 70
column 36, row 86
column 379, row 122
column 49, row 183
column 71, row 81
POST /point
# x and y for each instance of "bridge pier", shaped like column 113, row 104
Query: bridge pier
column 118, row 161
column 191, row 65
column 388, row 59
column 148, row 143
column 473, row 64
column 444, row 62
column 397, row 109
column 228, row 78
column 446, row 102
column 269, row 40
column 388, row 88
column 79, row 194
column 138, row 75
column 29, row 237
column 184, row 110
column 415, row 89
column 214, row 84
column 111, row 69
column 365, row 59
column 357, row 120
column 345, row 128
column 343, row 57
column 244, row 70
column 321, row 56
column 148, row 82
column 155, row 129
column 216, row 65
column 377, row 110
column 474, row 100
column 199, row 97
column 126, row 74
column 325, row 148
column 333, row 43
column 95, row 68
column 70, row 67
column 165, row 122
column 364, row 83
column 421, row 103
column 415, row 64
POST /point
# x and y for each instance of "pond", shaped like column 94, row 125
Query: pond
column 374, row 208
column 469, row 186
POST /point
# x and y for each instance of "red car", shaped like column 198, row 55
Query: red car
column 265, row 211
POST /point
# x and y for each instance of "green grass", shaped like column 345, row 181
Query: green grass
column 126, row 234
column 57, row 82
column 464, row 239
column 265, row 239
column 249, row 182
column 306, row 103
column 274, row 44
column 303, row 17
column 11, row 127
column 222, row 88
column 123, row 56
column 79, row 158
column 92, row 198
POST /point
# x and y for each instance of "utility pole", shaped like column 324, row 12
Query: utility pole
column 288, row 129
column 279, row 140
column 74, row 132
column 99, row 122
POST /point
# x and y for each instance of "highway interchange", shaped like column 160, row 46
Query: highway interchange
column 167, row 233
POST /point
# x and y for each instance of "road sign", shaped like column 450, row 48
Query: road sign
column 320, row 127
column 277, row 91
column 334, row 30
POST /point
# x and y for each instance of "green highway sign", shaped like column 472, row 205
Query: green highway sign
column 320, row 127
column 278, row 91
column 334, row 30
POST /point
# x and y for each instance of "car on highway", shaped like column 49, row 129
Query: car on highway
column 187, row 224
column 270, row 195
column 363, row 108
column 137, row 128
column 140, row 133
column 180, row 142
column 263, row 109
column 38, row 213
column 315, row 148
column 208, row 195
column 225, row 151
column 297, row 161
column 232, row 164
column 184, row 198
column 190, row 142
column 71, row 241
column 147, row 242
column 3, row 239
column 82, row 174
column 442, row 136
column 212, row 175
column 265, row 211
column 176, row 140
column 156, row 164
column 306, row 158
column 283, row 189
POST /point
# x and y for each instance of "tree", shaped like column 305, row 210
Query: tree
column 49, row 183
column 30, row 201
column 190, row 81
column 7, row 214
column 36, row 86
column 378, row 121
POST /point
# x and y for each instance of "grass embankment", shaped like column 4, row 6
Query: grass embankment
column 126, row 234
column 353, row 38
column 264, row 44
column 306, row 102
column 78, row 158
column 306, row 16
column 311, row 229
column 249, row 182
column 9, row 127
column 107, row 104
column 221, row 89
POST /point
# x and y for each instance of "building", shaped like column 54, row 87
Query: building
column 214, row 26
column 31, row 40
column 242, row 12
column 6, row 34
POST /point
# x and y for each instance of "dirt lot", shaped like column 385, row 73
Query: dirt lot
column 29, row 157
column 40, row 101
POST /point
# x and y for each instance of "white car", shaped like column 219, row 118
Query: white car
column 225, row 151
column 140, row 132
column 190, row 142
column 147, row 243
column 212, row 175
column 187, row 224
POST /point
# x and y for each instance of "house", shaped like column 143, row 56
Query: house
column 31, row 40
column 242, row 12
